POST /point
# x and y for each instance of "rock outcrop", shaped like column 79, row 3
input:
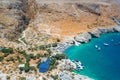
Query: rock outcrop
column 67, row 64
column 83, row 38
column 87, row 36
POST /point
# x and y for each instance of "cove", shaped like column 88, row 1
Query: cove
column 99, row 65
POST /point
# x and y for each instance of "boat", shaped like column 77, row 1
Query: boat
column 105, row 44
column 99, row 48
column 96, row 46
column 78, row 64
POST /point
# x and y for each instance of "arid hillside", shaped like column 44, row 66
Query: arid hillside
column 57, row 19
column 65, row 19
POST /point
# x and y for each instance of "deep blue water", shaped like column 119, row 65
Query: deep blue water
column 43, row 67
column 99, row 65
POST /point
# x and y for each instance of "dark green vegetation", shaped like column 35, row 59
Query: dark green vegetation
column 27, row 67
column 25, row 58
column 7, row 50
column 60, row 56
column 54, row 60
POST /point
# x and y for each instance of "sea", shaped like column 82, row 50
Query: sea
column 100, row 57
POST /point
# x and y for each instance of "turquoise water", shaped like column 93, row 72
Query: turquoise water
column 99, row 65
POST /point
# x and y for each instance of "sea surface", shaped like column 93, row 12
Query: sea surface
column 102, row 64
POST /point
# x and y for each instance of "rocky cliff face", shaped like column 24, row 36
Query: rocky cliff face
column 13, row 19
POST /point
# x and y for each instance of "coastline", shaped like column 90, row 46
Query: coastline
column 85, row 38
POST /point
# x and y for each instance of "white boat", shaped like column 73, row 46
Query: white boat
column 105, row 44
column 96, row 46
column 99, row 48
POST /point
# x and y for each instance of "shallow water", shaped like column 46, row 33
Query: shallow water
column 99, row 65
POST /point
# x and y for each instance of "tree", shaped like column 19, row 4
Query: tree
column 49, row 51
column 54, row 45
column 31, row 56
column 26, row 68
column 42, row 47
column 27, row 58
column 7, row 50
column 60, row 56
column 21, row 51
column 52, row 61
